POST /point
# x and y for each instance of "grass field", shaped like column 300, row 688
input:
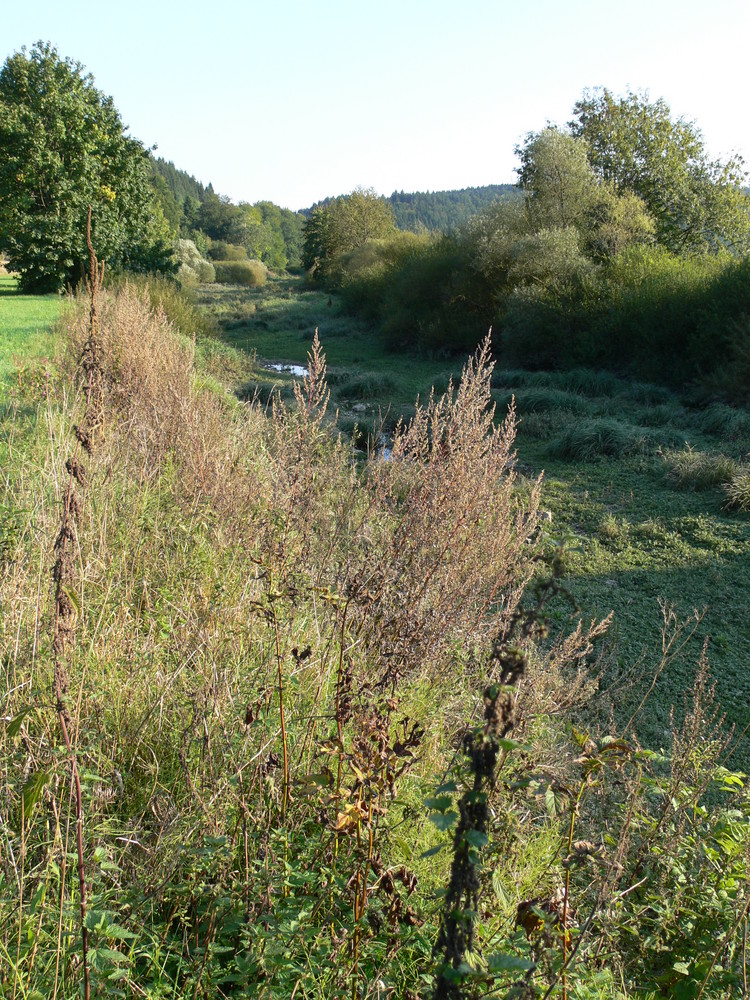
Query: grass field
column 26, row 323
column 641, row 531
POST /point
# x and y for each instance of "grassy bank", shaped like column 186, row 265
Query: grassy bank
column 323, row 722
column 641, row 533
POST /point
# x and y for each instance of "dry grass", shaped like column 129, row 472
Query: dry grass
column 254, row 607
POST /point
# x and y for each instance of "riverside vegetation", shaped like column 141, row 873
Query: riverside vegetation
column 334, row 731
column 296, row 696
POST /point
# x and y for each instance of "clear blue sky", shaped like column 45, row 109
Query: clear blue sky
column 292, row 101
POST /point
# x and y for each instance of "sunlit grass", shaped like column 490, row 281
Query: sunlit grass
column 26, row 328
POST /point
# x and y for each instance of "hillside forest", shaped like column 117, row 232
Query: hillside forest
column 373, row 577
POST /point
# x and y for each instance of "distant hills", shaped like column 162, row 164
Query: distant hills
column 438, row 211
column 185, row 202
column 443, row 210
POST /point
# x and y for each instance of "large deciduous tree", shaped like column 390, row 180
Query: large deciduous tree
column 635, row 144
column 63, row 147
column 343, row 225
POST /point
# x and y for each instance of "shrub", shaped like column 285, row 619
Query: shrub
column 220, row 250
column 193, row 269
column 249, row 273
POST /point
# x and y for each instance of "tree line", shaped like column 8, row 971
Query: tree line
column 626, row 246
column 64, row 147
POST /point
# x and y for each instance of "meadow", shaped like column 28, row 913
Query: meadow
column 635, row 481
column 26, row 322
column 283, row 718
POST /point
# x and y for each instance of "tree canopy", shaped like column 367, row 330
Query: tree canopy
column 343, row 225
column 63, row 147
column 633, row 143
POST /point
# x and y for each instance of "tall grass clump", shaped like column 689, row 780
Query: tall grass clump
column 248, row 273
column 177, row 303
column 699, row 470
column 738, row 489
column 589, row 440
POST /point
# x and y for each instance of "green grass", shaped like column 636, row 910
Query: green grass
column 604, row 444
column 278, row 321
column 26, row 329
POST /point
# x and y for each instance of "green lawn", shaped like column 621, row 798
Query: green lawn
column 26, row 329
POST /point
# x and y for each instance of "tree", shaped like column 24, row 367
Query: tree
column 635, row 145
column 556, row 177
column 63, row 147
column 343, row 225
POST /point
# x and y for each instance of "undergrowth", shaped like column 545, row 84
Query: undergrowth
column 278, row 655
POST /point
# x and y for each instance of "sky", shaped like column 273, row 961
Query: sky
column 298, row 100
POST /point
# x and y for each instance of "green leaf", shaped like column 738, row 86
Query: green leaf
column 73, row 597
column 476, row 838
column 511, row 745
column 447, row 786
column 32, row 792
column 111, row 955
column 432, row 851
column 682, row 967
column 440, row 803
column 14, row 726
column 549, row 802
column 444, row 821
column 499, row 889
column 502, row 962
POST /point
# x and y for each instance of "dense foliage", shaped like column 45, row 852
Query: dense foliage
column 63, row 148
column 698, row 204
column 625, row 247
column 341, row 226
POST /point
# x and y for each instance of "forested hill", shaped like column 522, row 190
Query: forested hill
column 436, row 211
column 174, row 188
column 443, row 210
column 182, row 184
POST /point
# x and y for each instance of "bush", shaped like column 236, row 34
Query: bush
column 435, row 301
column 249, row 273
column 193, row 269
column 221, row 250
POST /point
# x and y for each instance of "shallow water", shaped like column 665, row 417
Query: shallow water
column 299, row 371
